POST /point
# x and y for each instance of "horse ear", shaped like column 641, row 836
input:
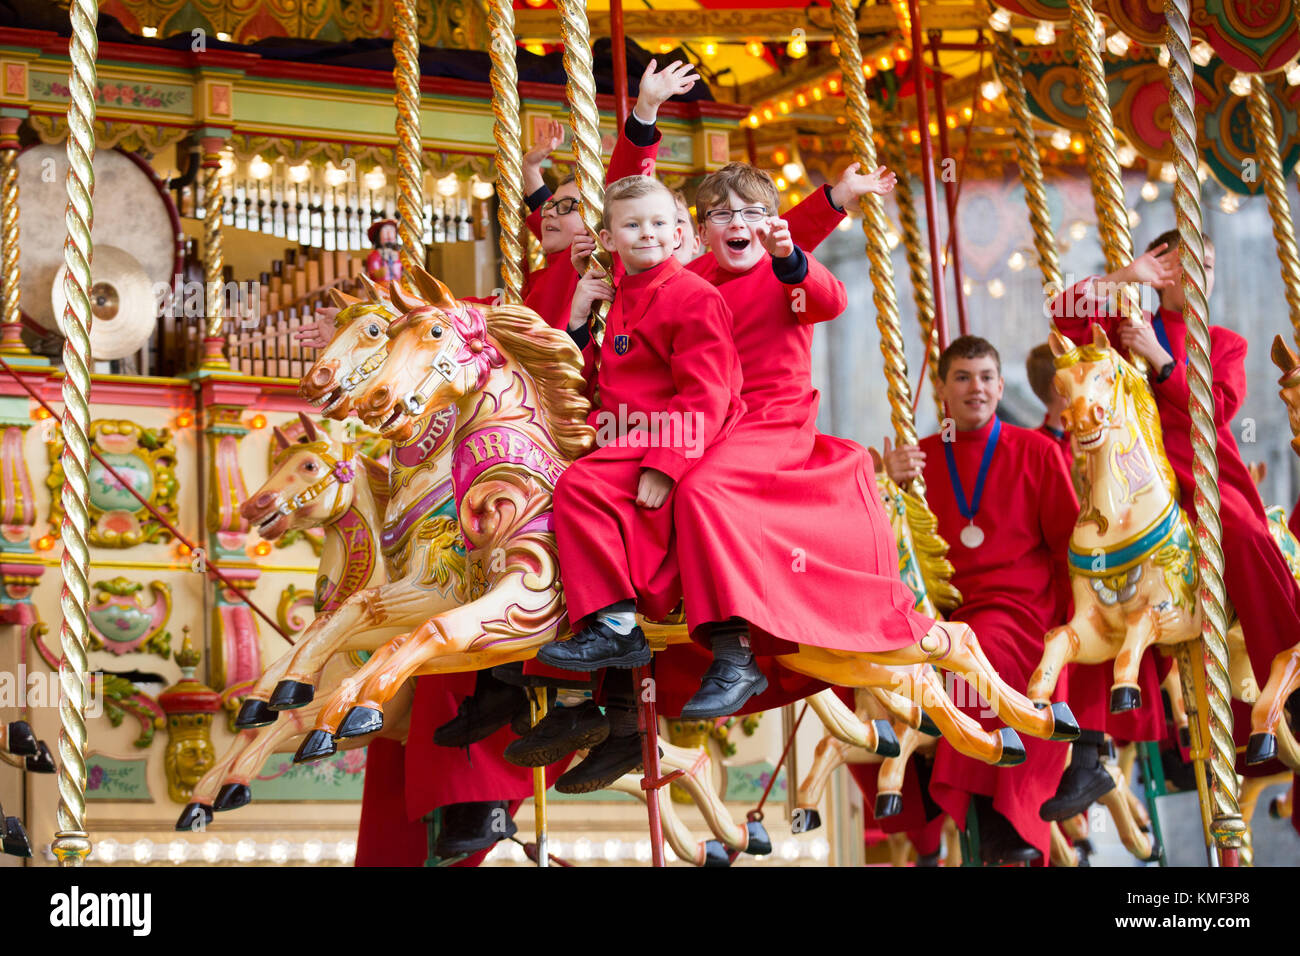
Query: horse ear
column 374, row 292
column 1059, row 344
column 433, row 290
column 1282, row 356
column 309, row 427
column 1099, row 337
column 280, row 438
column 341, row 299
column 402, row 300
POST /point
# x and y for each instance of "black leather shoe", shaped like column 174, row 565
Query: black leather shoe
column 21, row 740
column 42, row 761
column 1000, row 844
column 492, row 706
column 1080, row 787
column 724, row 689
column 470, row 827
column 15, row 842
column 597, row 646
column 561, row 732
column 605, row 764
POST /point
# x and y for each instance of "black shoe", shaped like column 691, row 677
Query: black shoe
column 724, row 689
column 468, row 828
column 21, row 740
column 605, row 764
column 522, row 721
column 1000, row 844
column 597, row 646
column 558, row 734
column 492, row 706
column 1080, row 787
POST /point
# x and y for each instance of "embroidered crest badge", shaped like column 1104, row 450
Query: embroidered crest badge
column 622, row 343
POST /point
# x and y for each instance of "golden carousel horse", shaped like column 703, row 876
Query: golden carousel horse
column 314, row 483
column 515, row 388
column 1132, row 560
column 359, row 346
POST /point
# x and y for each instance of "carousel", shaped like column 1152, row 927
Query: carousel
column 283, row 424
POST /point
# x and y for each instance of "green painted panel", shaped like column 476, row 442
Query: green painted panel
column 338, row 779
column 360, row 118
column 108, row 778
column 145, row 96
column 745, row 784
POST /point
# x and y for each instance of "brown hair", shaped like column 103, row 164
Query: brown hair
column 680, row 198
column 967, row 347
column 750, row 183
column 1174, row 240
column 1041, row 369
column 631, row 187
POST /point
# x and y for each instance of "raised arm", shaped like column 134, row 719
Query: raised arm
column 815, row 295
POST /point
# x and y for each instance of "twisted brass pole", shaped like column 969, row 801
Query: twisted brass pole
column 1226, row 826
column 71, row 842
column 1007, row 64
column 1279, row 206
column 11, row 340
column 1103, row 165
column 410, row 168
column 213, row 255
column 874, row 225
column 895, row 157
column 580, row 88
column 506, row 129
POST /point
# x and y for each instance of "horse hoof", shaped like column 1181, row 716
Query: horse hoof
column 1275, row 808
column 888, row 805
column 886, row 742
column 760, row 844
column 928, row 726
column 315, row 746
column 1064, row 727
column 255, row 713
column 290, row 695
column 716, row 855
column 1185, row 737
column 232, row 796
column 15, row 838
column 359, row 721
column 808, row 819
column 194, row 818
column 1262, row 748
column 1124, row 698
column 43, row 762
column 1293, row 705
column 22, row 742
column 1013, row 749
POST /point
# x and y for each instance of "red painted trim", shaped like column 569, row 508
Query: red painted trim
column 949, row 188
column 927, row 178
column 618, row 52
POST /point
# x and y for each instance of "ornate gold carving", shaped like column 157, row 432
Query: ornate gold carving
column 131, row 137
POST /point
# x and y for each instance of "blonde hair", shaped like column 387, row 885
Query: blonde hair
column 750, row 183
column 632, row 187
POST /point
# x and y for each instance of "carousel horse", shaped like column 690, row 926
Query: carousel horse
column 1132, row 564
column 358, row 348
column 515, row 388
column 314, row 483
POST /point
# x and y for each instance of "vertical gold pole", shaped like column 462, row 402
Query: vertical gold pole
column 506, row 129
column 213, row 255
column 1279, row 207
column 410, row 169
column 581, row 91
column 11, row 339
column 896, row 158
column 537, row 706
column 71, row 842
column 1007, row 64
column 874, row 225
column 1226, row 826
column 1103, row 165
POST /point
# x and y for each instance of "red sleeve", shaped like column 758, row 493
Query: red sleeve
column 704, row 363
column 820, row 297
column 628, row 159
column 813, row 220
column 1228, row 366
column 1058, row 510
column 1077, row 308
column 534, row 221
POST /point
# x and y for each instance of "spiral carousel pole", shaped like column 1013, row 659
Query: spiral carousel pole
column 1007, row 64
column 506, row 129
column 1103, row 165
column 1279, row 206
column 213, row 256
column 580, row 88
column 71, row 842
column 410, row 169
column 895, row 157
column 874, row 225
column 1226, row 825
column 11, row 339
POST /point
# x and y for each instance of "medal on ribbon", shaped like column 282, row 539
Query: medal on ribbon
column 972, row 536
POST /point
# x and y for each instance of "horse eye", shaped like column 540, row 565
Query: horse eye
column 372, row 330
column 310, row 466
column 436, row 331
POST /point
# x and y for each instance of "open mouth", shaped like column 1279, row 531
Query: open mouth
column 738, row 245
column 393, row 419
column 1091, row 440
column 333, row 400
column 273, row 526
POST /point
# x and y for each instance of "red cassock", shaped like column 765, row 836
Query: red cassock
column 1260, row 586
column 1013, row 590
column 549, row 291
column 670, row 388
column 779, row 524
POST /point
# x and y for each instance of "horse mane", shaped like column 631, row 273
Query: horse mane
column 1134, row 385
column 359, row 310
column 377, row 478
column 555, row 364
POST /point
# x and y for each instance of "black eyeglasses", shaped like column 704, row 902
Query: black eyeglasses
column 723, row 217
column 562, row 207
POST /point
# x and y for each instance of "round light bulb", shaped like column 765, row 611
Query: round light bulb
column 1078, row 229
column 1061, row 139
column 1202, row 53
column 1150, row 192
column 1118, row 43
column 996, row 288
column 1240, row 84
column 299, row 173
column 1000, row 19
column 1016, row 261
column 1044, row 33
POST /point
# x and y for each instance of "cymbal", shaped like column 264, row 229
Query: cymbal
column 123, row 311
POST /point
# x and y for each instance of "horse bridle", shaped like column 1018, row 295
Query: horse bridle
column 341, row 471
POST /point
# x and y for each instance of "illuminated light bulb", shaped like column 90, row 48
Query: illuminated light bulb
column 257, row 421
column 334, row 176
column 797, row 48
column 986, row 105
column 1162, row 57
column 1150, row 192
column 795, row 196
column 184, row 420
column 535, row 3
column 800, row 100
column 1202, row 172
column 227, row 164
column 259, row 168
column 1202, row 53
column 891, row 239
column 1229, row 203
column 951, row 120
column 142, row 851
column 781, row 184
column 967, row 112
column 107, row 850
column 778, row 156
column 1016, row 261
column 914, row 136
column 817, row 94
column 279, row 852
column 223, row 37
column 835, row 48
column 767, row 112
column 1168, row 174
column 347, row 850
column 1126, row 155
column 536, row 49
column 755, row 48
column 902, row 54
column 612, row 850
column 1078, row 229
column 967, row 286
column 710, row 49
column 1076, row 144
column 212, row 850
column 868, row 71
column 183, row 550
column 884, row 62
column 299, row 173
column 934, row 128
column 845, row 224
column 840, row 121
column 790, row 849
column 996, row 288
column 783, row 106
column 833, row 84
column 448, row 186
column 666, row 46
column 1118, row 43
column 1134, row 217
column 375, row 180
column 176, row 851
column 1293, row 73
column 792, row 172
column 1044, row 33
column 312, row 851
column 1060, row 139
column 262, row 549
column 1240, row 84
column 45, row 542
column 482, row 190
column 991, row 89
column 149, row 31
column 1000, row 19
column 753, row 120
